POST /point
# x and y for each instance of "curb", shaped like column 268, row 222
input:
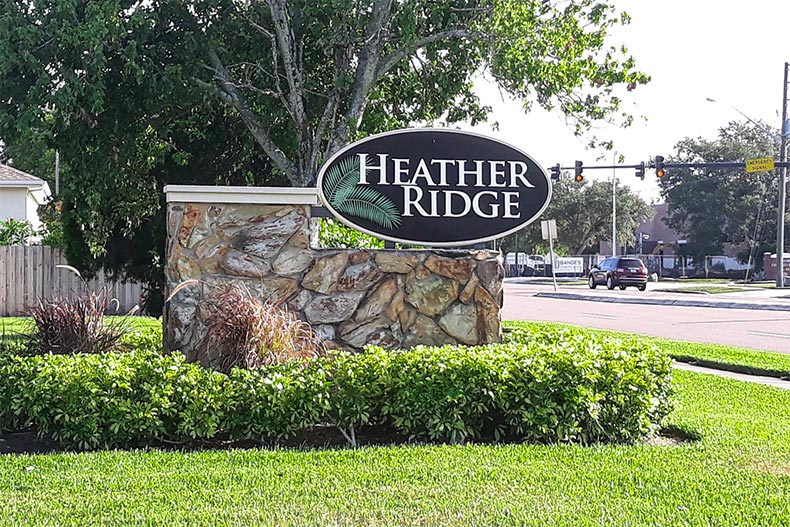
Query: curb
column 667, row 302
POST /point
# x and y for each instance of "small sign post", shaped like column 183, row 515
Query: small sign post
column 548, row 229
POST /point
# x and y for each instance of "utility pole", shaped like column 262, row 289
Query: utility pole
column 780, row 227
column 614, row 206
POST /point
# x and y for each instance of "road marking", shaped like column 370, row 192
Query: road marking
column 764, row 334
column 596, row 315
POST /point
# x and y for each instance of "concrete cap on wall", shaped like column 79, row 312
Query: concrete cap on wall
column 253, row 195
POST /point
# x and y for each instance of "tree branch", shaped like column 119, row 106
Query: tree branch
column 401, row 53
column 365, row 77
column 229, row 93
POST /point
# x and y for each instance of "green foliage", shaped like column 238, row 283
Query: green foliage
column 334, row 234
column 15, row 232
column 111, row 400
column 721, row 206
column 541, row 386
column 277, row 401
column 137, row 96
column 584, row 217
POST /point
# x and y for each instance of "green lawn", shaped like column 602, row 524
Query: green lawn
column 738, row 474
column 709, row 289
column 712, row 355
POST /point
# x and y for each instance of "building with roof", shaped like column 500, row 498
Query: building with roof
column 21, row 194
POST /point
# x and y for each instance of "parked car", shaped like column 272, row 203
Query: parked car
column 619, row 271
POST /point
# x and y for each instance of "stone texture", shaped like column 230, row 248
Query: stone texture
column 237, row 263
column 431, row 295
column 407, row 317
column 292, row 260
column 276, row 290
column 266, row 237
column 376, row 332
column 459, row 269
column 378, row 301
column 358, row 257
column 468, row 292
column 352, row 297
column 325, row 332
column 489, row 325
column 323, row 277
column 191, row 217
column 332, row 309
column 491, row 273
column 182, row 265
column 396, row 305
column 359, row 277
column 460, row 322
column 300, row 300
column 426, row 332
column 395, row 262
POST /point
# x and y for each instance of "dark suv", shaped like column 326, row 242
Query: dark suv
column 620, row 271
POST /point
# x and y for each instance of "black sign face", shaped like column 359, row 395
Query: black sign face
column 441, row 188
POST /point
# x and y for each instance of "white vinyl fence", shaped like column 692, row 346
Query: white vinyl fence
column 29, row 273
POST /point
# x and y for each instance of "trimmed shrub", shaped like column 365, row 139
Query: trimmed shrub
column 538, row 386
column 110, row 400
column 276, row 401
column 359, row 390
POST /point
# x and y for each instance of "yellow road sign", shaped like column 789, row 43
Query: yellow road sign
column 760, row 165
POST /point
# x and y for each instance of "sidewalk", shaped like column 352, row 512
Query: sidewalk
column 661, row 293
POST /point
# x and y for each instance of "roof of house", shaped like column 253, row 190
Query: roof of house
column 12, row 177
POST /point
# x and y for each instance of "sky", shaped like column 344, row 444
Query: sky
column 733, row 52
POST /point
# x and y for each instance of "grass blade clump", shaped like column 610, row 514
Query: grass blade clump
column 247, row 332
column 74, row 325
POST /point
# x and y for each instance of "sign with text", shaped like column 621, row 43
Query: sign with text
column 762, row 164
column 434, row 187
column 568, row 265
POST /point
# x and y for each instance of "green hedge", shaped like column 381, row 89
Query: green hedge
column 537, row 386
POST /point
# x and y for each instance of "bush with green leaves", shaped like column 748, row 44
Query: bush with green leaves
column 547, row 386
column 277, row 401
column 15, row 232
column 111, row 400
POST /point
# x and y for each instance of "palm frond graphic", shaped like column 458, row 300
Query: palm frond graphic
column 344, row 193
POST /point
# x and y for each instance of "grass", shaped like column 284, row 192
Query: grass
column 738, row 474
column 709, row 289
column 731, row 358
column 23, row 324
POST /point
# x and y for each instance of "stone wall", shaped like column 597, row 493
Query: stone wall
column 352, row 298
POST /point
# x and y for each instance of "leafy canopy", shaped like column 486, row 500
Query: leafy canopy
column 583, row 213
column 715, row 207
column 136, row 95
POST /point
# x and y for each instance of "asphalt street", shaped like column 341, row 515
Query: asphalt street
column 756, row 319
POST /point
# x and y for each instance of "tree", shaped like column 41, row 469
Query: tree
column 714, row 207
column 138, row 94
column 583, row 213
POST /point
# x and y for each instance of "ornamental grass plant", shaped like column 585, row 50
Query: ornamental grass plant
column 64, row 326
column 246, row 332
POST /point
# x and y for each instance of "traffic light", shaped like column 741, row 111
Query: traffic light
column 660, row 166
column 578, row 172
column 640, row 170
column 555, row 172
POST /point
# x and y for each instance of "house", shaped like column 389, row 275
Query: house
column 21, row 194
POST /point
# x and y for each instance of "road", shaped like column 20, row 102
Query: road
column 764, row 330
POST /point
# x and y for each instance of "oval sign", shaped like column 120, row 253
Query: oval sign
column 441, row 188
